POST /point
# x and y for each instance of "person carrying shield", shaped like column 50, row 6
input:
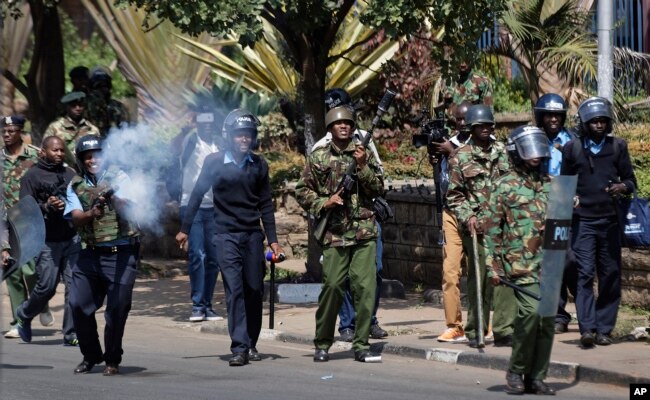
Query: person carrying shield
column 514, row 236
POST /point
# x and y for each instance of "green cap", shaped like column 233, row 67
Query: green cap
column 73, row 96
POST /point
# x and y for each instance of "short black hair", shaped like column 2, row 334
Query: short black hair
column 79, row 72
column 46, row 142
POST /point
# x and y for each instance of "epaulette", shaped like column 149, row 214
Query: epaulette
column 34, row 148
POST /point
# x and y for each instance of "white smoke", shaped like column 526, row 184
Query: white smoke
column 143, row 156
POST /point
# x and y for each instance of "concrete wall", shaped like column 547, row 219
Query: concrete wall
column 411, row 253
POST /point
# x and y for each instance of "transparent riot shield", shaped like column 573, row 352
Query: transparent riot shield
column 26, row 232
column 556, row 238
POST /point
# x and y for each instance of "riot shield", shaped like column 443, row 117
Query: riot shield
column 26, row 233
column 557, row 228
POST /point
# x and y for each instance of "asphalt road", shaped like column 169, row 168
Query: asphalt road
column 164, row 361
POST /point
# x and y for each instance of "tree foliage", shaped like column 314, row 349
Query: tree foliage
column 310, row 30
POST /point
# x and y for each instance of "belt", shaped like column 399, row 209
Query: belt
column 113, row 249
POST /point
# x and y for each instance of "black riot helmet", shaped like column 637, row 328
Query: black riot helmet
column 479, row 114
column 336, row 97
column 526, row 143
column 240, row 119
column 86, row 143
column 594, row 107
column 549, row 103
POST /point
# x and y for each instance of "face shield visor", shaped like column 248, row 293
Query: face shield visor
column 532, row 145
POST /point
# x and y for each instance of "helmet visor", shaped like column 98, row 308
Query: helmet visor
column 533, row 146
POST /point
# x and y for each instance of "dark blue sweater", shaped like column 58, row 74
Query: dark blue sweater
column 242, row 196
column 596, row 174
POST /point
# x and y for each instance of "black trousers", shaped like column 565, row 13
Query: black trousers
column 569, row 285
column 596, row 243
column 101, row 274
column 241, row 259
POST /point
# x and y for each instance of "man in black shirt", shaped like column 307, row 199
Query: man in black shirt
column 602, row 163
column 47, row 182
column 241, row 193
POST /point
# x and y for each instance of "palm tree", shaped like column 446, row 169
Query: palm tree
column 263, row 67
column 15, row 35
column 553, row 44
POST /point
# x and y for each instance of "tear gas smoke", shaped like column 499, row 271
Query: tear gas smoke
column 143, row 156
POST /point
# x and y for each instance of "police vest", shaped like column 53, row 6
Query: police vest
column 111, row 226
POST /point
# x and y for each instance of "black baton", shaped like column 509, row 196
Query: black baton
column 520, row 289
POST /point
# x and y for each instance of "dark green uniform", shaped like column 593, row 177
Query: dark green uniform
column 350, row 239
column 105, row 114
column 514, row 251
column 475, row 89
column 472, row 172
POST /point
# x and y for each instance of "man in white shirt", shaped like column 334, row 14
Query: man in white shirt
column 202, row 253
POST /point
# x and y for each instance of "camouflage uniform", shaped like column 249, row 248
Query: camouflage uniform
column 70, row 131
column 514, row 252
column 23, row 280
column 350, row 239
column 476, row 89
column 105, row 114
column 471, row 174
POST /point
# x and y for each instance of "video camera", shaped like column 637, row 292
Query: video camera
column 431, row 130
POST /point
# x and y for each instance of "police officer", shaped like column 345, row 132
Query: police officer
column 17, row 158
column 472, row 170
column 514, row 233
column 350, row 239
column 470, row 86
column 550, row 115
column 106, row 268
column 102, row 110
column 72, row 125
column 338, row 97
column 241, row 192
column 602, row 163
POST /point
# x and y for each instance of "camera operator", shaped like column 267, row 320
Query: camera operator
column 452, row 248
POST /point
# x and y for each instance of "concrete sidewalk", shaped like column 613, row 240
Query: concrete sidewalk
column 413, row 327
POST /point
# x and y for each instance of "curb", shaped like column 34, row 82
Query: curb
column 572, row 372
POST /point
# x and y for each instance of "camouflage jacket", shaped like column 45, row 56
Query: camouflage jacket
column 70, row 131
column 476, row 89
column 13, row 171
column 354, row 221
column 471, row 174
column 113, row 225
column 105, row 114
column 514, row 229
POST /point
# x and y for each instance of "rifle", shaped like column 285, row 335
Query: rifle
column 347, row 182
column 107, row 196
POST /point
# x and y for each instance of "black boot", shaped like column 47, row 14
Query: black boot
column 514, row 383
column 537, row 386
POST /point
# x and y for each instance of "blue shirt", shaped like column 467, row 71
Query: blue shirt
column 228, row 158
column 594, row 147
column 555, row 162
